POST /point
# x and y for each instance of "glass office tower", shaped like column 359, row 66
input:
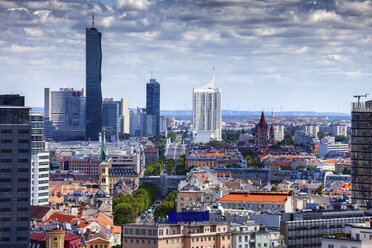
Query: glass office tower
column 15, row 166
column 152, row 108
column 361, row 153
column 93, row 84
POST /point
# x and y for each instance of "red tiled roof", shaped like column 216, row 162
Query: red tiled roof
column 70, row 236
column 150, row 150
column 37, row 236
column 255, row 197
column 38, row 212
column 61, row 218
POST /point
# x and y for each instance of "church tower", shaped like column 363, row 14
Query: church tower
column 104, row 166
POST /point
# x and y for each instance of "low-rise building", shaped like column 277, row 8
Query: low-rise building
column 154, row 235
column 188, row 199
column 258, row 201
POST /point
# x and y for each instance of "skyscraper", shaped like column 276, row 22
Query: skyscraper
column 361, row 155
column 110, row 118
column 93, row 83
column 152, row 108
column 207, row 113
column 15, row 165
column 64, row 114
column 39, row 162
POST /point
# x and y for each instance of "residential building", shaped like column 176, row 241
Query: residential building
column 56, row 237
column 337, row 129
column 258, row 201
column 279, row 132
column 264, row 134
column 325, row 149
column 202, row 158
column 186, row 200
column 154, row 235
column 124, row 116
column 93, row 83
column 356, row 235
column 15, row 166
column 311, row 130
column 151, row 155
column 207, row 113
column 361, row 156
column 152, row 108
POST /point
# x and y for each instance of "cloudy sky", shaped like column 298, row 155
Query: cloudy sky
column 281, row 55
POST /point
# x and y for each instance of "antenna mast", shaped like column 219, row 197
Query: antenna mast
column 92, row 19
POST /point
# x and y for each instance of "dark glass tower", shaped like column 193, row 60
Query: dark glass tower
column 93, row 83
column 152, row 108
column 15, row 172
column 361, row 155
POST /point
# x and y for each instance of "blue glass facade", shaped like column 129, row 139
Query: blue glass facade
column 152, row 108
column 93, row 84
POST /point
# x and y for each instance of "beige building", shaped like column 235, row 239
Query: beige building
column 188, row 199
column 154, row 235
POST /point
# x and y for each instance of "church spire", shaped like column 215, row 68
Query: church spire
column 262, row 120
column 103, row 148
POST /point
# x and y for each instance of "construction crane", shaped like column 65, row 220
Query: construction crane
column 359, row 96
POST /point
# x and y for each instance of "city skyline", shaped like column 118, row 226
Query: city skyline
column 325, row 46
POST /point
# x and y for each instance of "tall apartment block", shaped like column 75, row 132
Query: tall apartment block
column 207, row 113
column 39, row 161
column 152, row 108
column 361, row 155
column 15, row 164
column 64, row 114
column 115, row 117
column 138, row 122
column 93, row 83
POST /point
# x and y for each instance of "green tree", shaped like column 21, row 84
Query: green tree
column 170, row 166
column 300, row 167
column 172, row 135
column 164, row 209
column 123, row 213
column 343, row 139
column 310, row 168
column 180, row 167
column 319, row 191
column 172, row 196
column 233, row 166
column 286, row 167
column 274, row 188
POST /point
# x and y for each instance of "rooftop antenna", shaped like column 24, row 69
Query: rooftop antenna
column 152, row 74
column 359, row 96
column 92, row 19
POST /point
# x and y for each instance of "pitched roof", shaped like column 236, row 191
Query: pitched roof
column 37, row 236
column 61, row 218
column 262, row 121
column 255, row 197
column 106, row 221
column 39, row 212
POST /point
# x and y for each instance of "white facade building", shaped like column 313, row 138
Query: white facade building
column 279, row 132
column 337, row 129
column 326, row 148
column 207, row 113
column 40, row 178
column 311, row 130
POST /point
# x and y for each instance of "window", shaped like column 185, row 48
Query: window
column 24, row 131
column 23, row 141
column 4, row 219
column 4, row 209
column 357, row 236
column 22, row 180
column 4, row 199
column 6, row 141
column 5, row 170
column 3, row 190
column 5, row 180
column 330, row 246
column 6, row 160
column 23, row 160
column 6, row 131
column 23, row 170
column 6, row 150
column 22, row 189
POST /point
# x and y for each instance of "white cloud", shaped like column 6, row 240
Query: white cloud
column 132, row 4
column 35, row 32
column 322, row 16
column 108, row 21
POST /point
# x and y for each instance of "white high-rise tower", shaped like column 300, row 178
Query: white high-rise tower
column 207, row 113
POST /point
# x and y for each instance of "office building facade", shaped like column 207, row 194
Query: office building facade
column 93, row 83
column 64, row 114
column 152, row 108
column 361, row 155
column 15, row 164
column 110, row 118
column 39, row 161
column 207, row 113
